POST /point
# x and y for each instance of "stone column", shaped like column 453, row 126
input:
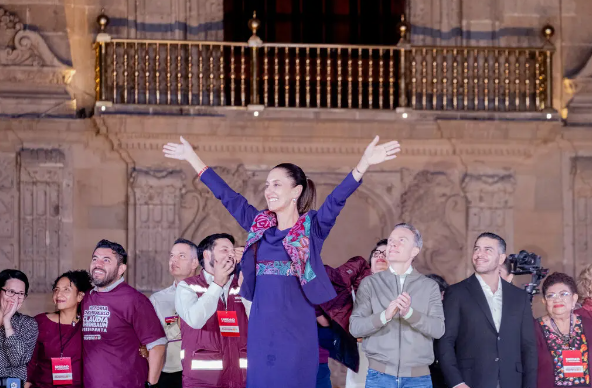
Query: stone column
column 154, row 207
column 8, row 211
column 45, row 216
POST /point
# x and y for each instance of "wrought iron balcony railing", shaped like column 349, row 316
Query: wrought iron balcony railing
column 201, row 73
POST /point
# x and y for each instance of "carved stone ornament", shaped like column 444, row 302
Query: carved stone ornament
column 155, row 201
column 433, row 204
column 28, row 69
column 45, row 215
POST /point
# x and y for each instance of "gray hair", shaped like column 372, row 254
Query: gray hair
column 413, row 229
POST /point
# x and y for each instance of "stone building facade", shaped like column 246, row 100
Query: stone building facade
column 71, row 175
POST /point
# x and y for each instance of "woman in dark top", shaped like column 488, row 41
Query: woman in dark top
column 18, row 332
column 60, row 334
column 562, row 336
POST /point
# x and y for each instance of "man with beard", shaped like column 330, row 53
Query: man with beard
column 183, row 263
column 117, row 319
column 213, row 319
column 489, row 340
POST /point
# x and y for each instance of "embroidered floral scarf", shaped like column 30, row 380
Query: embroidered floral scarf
column 296, row 243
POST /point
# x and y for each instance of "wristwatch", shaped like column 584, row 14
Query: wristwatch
column 148, row 385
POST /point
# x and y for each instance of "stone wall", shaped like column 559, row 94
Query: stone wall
column 66, row 183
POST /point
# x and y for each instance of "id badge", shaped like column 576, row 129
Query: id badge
column 171, row 320
column 228, row 323
column 61, row 369
column 572, row 363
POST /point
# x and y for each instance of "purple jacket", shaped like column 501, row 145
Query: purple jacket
column 319, row 290
column 203, row 347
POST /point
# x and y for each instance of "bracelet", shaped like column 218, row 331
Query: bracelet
column 202, row 171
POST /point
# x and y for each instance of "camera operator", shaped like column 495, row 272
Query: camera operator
column 489, row 340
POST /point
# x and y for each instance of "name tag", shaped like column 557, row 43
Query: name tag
column 228, row 323
column 170, row 320
column 572, row 363
column 61, row 369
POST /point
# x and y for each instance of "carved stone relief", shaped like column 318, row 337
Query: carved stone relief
column 8, row 211
column 433, row 203
column 203, row 214
column 155, row 205
column 29, row 70
column 490, row 206
column 45, row 216
column 582, row 212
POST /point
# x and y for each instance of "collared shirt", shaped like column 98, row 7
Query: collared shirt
column 196, row 311
column 164, row 304
column 494, row 300
column 402, row 278
column 109, row 287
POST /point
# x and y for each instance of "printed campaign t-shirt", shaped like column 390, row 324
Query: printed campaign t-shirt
column 114, row 325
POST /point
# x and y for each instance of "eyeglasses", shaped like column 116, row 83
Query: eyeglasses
column 378, row 253
column 562, row 295
column 11, row 293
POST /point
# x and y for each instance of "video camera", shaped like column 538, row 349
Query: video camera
column 525, row 263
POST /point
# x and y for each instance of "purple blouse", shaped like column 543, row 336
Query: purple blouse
column 48, row 346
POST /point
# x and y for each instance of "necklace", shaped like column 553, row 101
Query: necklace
column 566, row 338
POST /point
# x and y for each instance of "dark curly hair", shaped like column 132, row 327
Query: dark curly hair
column 560, row 278
column 80, row 278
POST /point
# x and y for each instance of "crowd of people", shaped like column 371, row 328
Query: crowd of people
column 271, row 314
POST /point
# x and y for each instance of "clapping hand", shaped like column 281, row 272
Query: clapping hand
column 403, row 302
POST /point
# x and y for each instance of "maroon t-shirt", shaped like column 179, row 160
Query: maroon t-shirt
column 49, row 346
column 115, row 324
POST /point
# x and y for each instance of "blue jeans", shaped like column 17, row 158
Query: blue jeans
column 324, row 376
column 376, row 379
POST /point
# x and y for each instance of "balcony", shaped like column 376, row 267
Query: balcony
column 183, row 75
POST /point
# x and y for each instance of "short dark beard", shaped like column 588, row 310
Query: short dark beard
column 109, row 279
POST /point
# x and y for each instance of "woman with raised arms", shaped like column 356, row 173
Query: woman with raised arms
column 283, row 272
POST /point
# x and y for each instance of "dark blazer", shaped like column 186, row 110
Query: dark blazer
column 473, row 352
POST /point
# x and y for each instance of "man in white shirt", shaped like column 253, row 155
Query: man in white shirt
column 183, row 263
column 489, row 340
column 214, row 319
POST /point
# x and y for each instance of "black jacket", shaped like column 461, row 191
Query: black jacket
column 473, row 352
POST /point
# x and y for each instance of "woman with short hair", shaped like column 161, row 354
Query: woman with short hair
column 18, row 332
column 562, row 336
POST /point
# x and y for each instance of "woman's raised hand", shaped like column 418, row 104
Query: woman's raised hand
column 183, row 151
column 376, row 154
